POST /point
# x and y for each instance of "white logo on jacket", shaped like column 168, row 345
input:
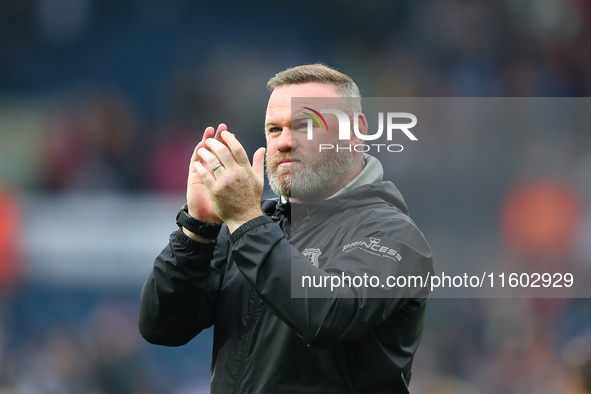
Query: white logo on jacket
column 373, row 247
column 312, row 254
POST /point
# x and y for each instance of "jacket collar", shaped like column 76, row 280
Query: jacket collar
column 372, row 172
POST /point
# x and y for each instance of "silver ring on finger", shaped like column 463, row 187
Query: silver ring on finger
column 216, row 167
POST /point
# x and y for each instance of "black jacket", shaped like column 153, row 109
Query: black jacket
column 345, row 340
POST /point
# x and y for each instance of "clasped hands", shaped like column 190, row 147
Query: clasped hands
column 223, row 186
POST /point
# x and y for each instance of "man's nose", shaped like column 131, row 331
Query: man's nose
column 285, row 142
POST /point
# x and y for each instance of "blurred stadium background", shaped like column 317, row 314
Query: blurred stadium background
column 102, row 101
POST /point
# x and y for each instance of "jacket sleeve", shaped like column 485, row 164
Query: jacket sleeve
column 179, row 298
column 322, row 315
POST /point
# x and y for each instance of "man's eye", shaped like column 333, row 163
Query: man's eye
column 275, row 130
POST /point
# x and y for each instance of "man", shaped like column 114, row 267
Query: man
column 335, row 218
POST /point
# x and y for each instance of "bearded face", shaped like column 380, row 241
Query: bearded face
column 311, row 175
column 296, row 168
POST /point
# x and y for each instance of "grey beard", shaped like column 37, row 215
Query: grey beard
column 315, row 178
column 280, row 184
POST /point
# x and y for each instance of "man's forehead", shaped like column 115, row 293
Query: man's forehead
column 309, row 94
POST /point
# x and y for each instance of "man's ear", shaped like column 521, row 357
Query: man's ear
column 362, row 127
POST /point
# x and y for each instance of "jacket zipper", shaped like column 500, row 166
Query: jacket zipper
column 256, row 301
column 249, row 326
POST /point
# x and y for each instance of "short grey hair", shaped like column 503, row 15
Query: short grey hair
column 318, row 72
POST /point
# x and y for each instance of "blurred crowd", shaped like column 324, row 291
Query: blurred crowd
column 127, row 88
column 131, row 84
